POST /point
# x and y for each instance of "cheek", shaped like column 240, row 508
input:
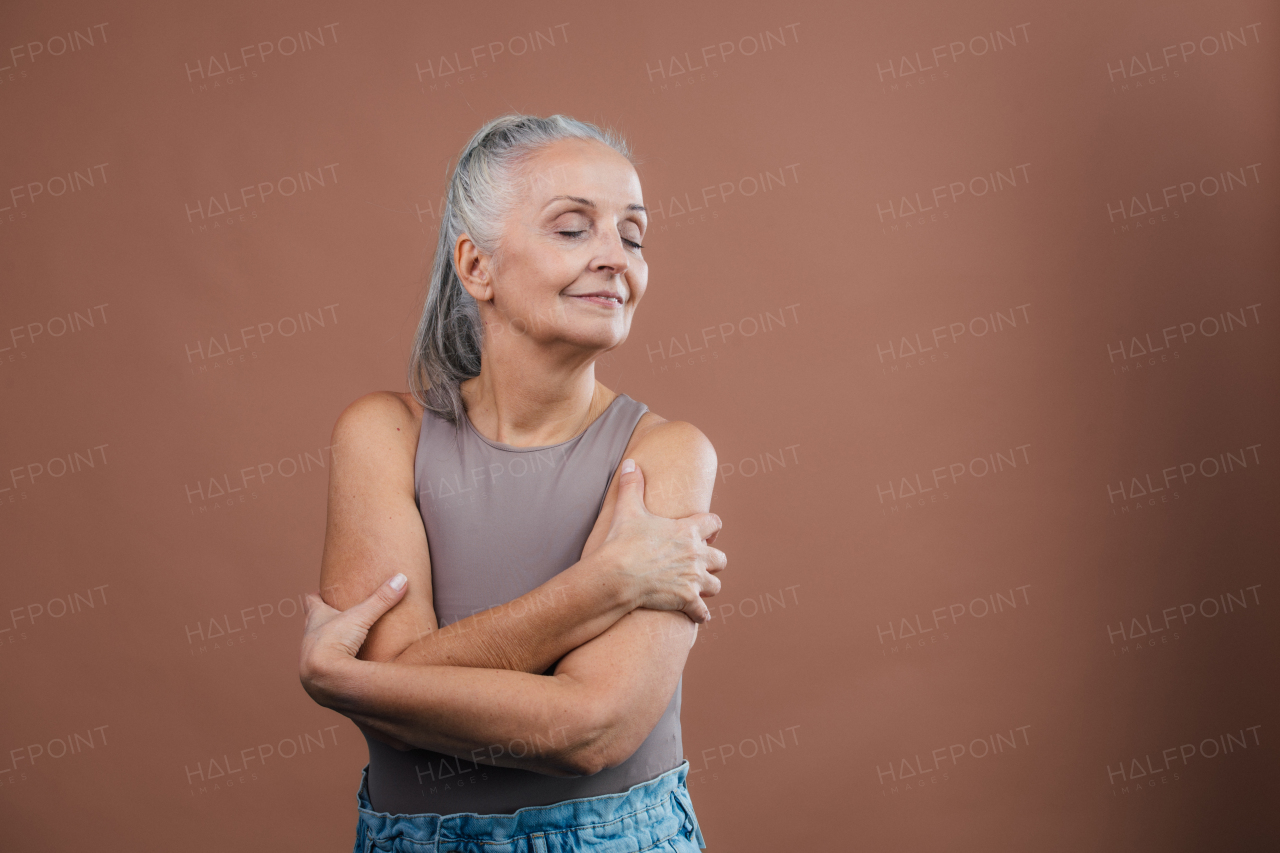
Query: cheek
column 538, row 276
column 638, row 290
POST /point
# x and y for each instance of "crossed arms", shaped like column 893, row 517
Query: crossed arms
column 480, row 681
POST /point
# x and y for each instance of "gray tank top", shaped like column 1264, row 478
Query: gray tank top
column 500, row 522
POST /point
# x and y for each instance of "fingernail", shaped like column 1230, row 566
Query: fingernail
column 628, row 466
column 398, row 582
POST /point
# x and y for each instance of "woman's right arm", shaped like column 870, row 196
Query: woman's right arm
column 604, row 697
column 375, row 530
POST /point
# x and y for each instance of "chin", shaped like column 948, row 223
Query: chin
column 598, row 339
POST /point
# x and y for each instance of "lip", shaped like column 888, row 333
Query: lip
column 600, row 298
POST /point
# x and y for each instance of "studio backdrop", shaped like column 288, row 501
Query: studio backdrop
column 976, row 302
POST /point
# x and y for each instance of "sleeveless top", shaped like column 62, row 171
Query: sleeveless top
column 500, row 522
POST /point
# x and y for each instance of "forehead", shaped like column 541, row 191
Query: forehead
column 580, row 167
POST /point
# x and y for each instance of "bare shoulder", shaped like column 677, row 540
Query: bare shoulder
column 659, row 438
column 373, row 526
column 388, row 420
column 373, row 520
column 679, row 466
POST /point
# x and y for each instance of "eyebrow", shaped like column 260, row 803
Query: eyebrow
column 586, row 202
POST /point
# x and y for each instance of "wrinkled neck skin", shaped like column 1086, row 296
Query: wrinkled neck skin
column 529, row 394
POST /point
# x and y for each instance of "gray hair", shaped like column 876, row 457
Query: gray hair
column 483, row 189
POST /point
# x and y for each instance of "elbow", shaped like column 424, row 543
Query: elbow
column 601, row 741
column 589, row 759
column 584, row 762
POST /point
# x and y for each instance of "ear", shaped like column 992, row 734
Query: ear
column 473, row 268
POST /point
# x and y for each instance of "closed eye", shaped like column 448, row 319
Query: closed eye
column 632, row 243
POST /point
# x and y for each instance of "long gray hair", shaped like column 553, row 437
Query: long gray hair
column 484, row 187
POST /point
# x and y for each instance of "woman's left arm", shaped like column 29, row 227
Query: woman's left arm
column 593, row 712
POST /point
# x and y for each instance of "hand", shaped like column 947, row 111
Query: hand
column 332, row 638
column 668, row 562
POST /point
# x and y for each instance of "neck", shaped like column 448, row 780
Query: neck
column 526, row 396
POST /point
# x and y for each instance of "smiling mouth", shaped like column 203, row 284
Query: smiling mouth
column 601, row 300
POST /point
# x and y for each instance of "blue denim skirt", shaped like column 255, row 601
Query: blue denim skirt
column 653, row 816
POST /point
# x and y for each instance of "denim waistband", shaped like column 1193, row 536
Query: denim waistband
column 640, row 819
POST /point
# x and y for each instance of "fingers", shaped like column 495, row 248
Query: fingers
column 383, row 599
column 316, row 608
column 630, row 488
column 708, row 524
column 697, row 611
column 716, row 559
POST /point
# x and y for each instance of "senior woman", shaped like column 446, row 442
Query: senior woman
column 516, row 556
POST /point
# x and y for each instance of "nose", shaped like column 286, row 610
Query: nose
column 612, row 256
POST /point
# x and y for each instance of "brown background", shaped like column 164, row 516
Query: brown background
column 798, row 720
